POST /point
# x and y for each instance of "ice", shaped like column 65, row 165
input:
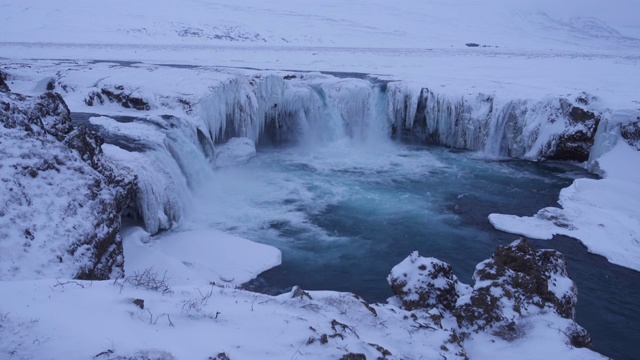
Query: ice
column 235, row 151
column 496, row 126
column 270, row 108
column 161, row 187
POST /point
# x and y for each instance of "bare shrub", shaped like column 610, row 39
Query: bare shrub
column 147, row 279
column 194, row 307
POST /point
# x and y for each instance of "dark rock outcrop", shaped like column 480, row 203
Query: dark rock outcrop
column 117, row 94
column 353, row 356
column 56, row 156
column 631, row 134
column 3, row 85
column 516, row 278
column 576, row 141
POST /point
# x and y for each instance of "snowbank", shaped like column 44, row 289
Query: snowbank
column 107, row 319
column 603, row 214
column 197, row 257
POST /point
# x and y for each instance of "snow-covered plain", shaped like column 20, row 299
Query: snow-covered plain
column 529, row 50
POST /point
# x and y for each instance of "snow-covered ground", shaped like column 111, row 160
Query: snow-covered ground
column 533, row 48
column 197, row 257
column 131, row 319
column 528, row 50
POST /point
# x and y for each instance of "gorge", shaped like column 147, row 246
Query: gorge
column 331, row 157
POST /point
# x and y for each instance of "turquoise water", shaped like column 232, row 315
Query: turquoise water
column 343, row 215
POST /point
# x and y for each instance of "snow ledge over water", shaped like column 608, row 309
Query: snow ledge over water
column 603, row 214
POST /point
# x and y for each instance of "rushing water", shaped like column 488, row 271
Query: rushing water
column 344, row 214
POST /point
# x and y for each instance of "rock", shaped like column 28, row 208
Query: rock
column 353, row 356
column 3, row 85
column 517, row 282
column 575, row 143
column 297, row 292
column 220, row 356
column 579, row 337
column 45, row 114
column 631, row 134
column 74, row 196
column 117, row 94
column 139, row 303
column 422, row 282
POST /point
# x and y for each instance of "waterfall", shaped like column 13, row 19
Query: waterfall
column 314, row 110
column 177, row 154
column 271, row 109
column 519, row 128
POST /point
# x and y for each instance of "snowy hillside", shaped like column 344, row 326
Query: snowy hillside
column 179, row 91
column 533, row 25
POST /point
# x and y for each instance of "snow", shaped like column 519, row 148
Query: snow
column 83, row 319
column 603, row 214
column 536, row 51
column 197, row 257
column 536, row 48
column 53, row 202
column 540, row 344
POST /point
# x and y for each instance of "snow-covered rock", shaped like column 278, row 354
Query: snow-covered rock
column 422, row 282
column 60, row 200
column 518, row 283
column 117, row 94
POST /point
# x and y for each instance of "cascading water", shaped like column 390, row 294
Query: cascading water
column 314, row 110
column 336, row 194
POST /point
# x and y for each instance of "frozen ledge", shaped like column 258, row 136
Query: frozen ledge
column 603, row 214
column 197, row 257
